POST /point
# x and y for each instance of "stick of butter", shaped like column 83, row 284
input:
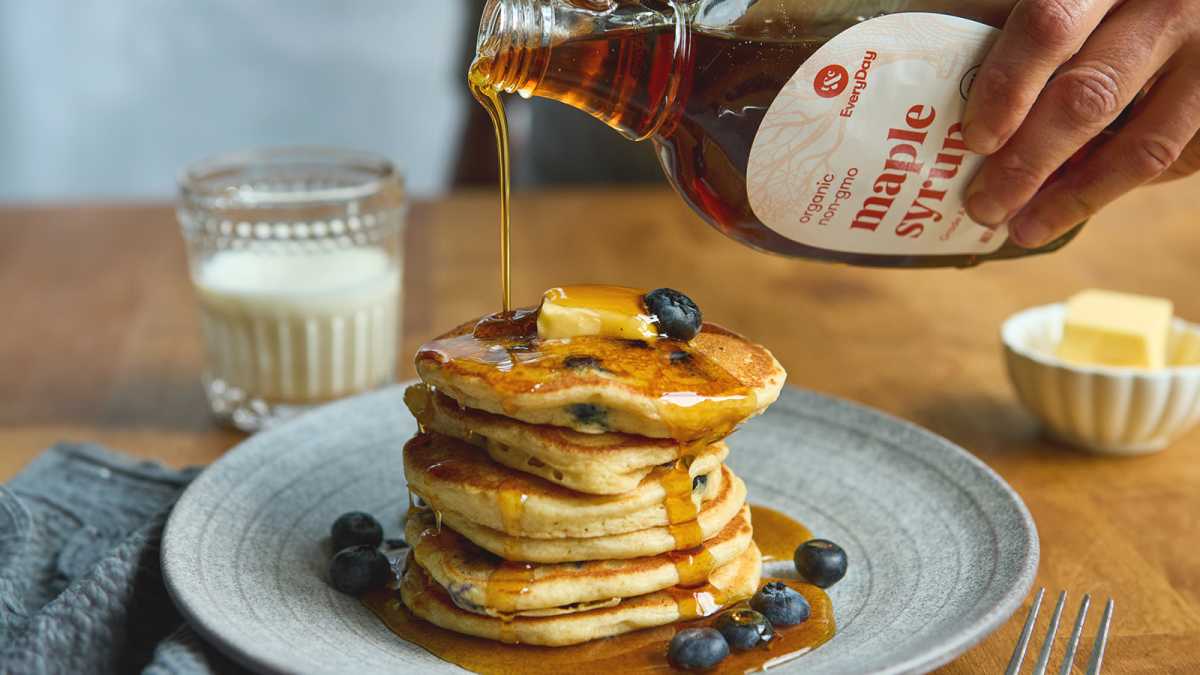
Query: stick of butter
column 1116, row 329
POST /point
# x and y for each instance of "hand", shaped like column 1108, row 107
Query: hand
column 1060, row 73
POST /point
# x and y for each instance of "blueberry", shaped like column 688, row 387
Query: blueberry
column 745, row 629
column 581, row 363
column 699, row 482
column 680, row 357
column 697, row 649
column 588, row 413
column 678, row 317
column 781, row 604
column 355, row 529
column 359, row 569
column 820, row 562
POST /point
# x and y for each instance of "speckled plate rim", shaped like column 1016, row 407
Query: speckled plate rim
column 971, row 634
column 950, row 647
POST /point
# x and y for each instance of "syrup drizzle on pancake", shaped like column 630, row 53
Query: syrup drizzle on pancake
column 697, row 399
column 693, row 565
column 642, row 651
column 504, row 351
column 510, row 581
column 692, row 559
column 512, row 505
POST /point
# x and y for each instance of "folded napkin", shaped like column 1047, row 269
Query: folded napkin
column 81, row 588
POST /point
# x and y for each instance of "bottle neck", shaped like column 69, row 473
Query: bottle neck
column 514, row 36
column 622, row 63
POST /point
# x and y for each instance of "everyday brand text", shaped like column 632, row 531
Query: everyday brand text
column 860, row 83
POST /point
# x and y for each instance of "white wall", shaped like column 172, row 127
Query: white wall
column 110, row 98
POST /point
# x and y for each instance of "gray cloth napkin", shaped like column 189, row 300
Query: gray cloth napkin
column 81, row 587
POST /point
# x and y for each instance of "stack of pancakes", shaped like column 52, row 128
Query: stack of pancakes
column 568, row 490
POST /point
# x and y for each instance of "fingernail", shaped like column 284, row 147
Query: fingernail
column 984, row 208
column 1028, row 232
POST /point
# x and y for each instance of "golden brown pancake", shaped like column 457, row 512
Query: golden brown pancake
column 602, row 464
column 713, row 517
column 455, row 476
column 695, row 391
column 467, row 571
column 728, row 584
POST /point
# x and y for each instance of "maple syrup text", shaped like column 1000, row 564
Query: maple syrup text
column 903, row 161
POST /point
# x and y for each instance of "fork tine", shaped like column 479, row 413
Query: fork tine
column 1097, row 659
column 1073, row 643
column 1039, row 668
column 1014, row 664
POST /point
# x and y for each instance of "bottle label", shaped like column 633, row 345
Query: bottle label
column 862, row 150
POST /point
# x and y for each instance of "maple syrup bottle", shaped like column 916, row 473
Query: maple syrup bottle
column 813, row 129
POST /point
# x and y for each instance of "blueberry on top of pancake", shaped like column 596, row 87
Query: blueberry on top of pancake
column 614, row 377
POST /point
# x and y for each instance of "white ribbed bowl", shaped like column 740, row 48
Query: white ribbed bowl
column 1121, row 411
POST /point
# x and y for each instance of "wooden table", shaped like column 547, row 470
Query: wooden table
column 99, row 341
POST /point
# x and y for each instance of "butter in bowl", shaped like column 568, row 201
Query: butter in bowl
column 1112, row 373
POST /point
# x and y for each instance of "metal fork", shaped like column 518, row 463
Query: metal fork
column 1039, row 668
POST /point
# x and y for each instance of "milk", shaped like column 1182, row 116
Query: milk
column 299, row 328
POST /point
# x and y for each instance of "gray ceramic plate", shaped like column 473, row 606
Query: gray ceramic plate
column 942, row 551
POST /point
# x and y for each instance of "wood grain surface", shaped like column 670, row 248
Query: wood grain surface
column 99, row 341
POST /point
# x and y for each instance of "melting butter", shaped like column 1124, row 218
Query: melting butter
column 610, row 311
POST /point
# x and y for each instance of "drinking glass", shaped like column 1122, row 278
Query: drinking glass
column 296, row 259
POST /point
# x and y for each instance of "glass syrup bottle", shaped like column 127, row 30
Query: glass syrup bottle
column 808, row 128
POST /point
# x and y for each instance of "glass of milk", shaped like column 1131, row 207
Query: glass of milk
column 296, row 256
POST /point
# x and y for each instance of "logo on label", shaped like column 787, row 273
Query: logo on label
column 831, row 81
column 967, row 82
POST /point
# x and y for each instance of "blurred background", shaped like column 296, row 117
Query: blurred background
column 109, row 99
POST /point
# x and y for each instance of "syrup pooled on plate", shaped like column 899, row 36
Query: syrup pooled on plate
column 643, row 651
column 777, row 534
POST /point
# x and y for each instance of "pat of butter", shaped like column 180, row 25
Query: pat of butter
column 612, row 311
column 1116, row 329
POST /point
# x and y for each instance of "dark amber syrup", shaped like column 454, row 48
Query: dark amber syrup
column 702, row 102
column 728, row 84
column 489, row 98
column 697, row 398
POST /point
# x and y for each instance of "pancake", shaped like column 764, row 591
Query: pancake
column 455, row 476
column 465, row 570
column 728, row 584
column 712, row 518
column 601, row 464
column 691, row 392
